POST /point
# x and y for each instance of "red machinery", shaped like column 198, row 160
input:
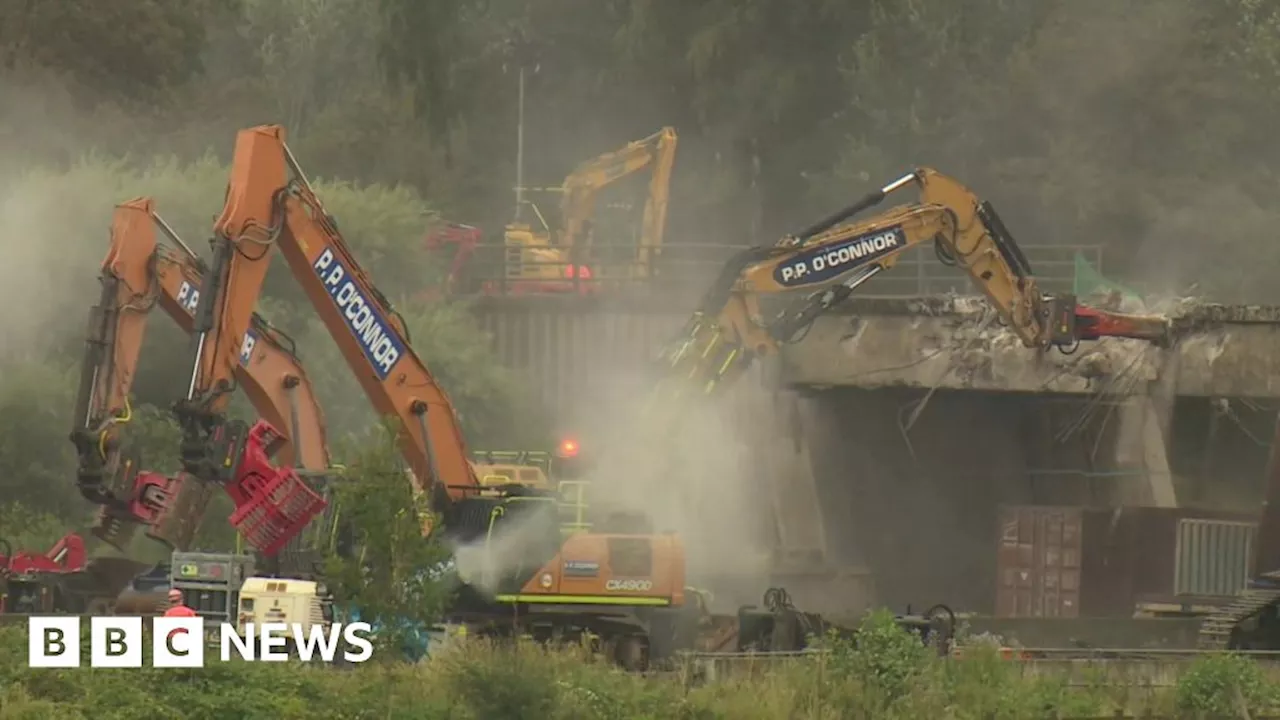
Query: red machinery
column 273, row 504
column 29, row 581
column 66, row 555
column 466, row 238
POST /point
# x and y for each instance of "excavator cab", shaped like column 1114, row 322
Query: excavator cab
column 565, row 260
column 500, row 542
column 501, row 468
column 532, row 265
column 557, row 475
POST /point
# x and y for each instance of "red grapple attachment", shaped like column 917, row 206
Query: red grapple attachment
column 170, row 508
column 184, row 499
column 273, row 505
column 66, row 556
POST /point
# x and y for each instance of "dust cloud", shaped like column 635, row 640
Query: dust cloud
column 686, row 466
column 52, row 230
column 683, row 467
column 1106, row 75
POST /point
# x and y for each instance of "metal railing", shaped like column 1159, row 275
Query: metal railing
column 573, row 506
column 687, row 269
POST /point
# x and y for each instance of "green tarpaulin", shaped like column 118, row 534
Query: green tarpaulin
column 1088, row 281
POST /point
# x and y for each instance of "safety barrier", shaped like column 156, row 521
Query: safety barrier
column 684, row 269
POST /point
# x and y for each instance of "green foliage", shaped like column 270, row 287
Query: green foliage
column 35, row 419
column 883, row 656
column 25, row 529
column 160, row 45
column 479, row 680
column 1224, row 685
column 989, row 686
column 388, row 573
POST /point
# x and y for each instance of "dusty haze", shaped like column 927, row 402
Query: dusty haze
column 1086, row 134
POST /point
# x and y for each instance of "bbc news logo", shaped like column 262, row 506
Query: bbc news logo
column 179, row 642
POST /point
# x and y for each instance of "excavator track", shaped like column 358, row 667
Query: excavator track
column 1215, row 629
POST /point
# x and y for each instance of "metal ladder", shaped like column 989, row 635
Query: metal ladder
column 1215, row 629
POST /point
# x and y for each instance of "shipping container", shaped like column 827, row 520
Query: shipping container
column 1102, row 562
column 1039, row 562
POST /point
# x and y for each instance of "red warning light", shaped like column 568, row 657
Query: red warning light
column 568, row 448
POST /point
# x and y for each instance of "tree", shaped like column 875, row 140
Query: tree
column 391, row 576
column 134, row 50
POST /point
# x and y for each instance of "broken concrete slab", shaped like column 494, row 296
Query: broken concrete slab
column 957, row 343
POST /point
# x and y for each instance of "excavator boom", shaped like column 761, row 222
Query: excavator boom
column 832, row 257
column 139, row 273
column 268, row 190
column 537, row 571
column 242, row 235
column 588, row 179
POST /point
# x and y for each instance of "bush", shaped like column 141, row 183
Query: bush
column 518, row 679
column 1224, row 685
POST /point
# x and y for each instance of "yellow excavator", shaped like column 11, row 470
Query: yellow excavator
column 829, row 259
column 547, row 261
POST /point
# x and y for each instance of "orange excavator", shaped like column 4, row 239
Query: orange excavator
column 137, row 274
column 521, row 561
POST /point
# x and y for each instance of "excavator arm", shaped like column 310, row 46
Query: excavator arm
column 375, row 344
column 269, row 189
column 268, row 369
column 138, row 273
column 117, row 325
column 585, row 182
column 243, row 236
column 834, row 256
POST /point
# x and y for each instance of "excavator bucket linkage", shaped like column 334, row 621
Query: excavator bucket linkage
column 273, row 504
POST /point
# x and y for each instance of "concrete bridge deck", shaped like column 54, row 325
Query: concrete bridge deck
column 952, row 342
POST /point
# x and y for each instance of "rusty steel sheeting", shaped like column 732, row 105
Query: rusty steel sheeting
column 1213, row 556
column 572, row 355
column 1039, row 562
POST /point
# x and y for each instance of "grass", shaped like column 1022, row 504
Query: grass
column 887, row 676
